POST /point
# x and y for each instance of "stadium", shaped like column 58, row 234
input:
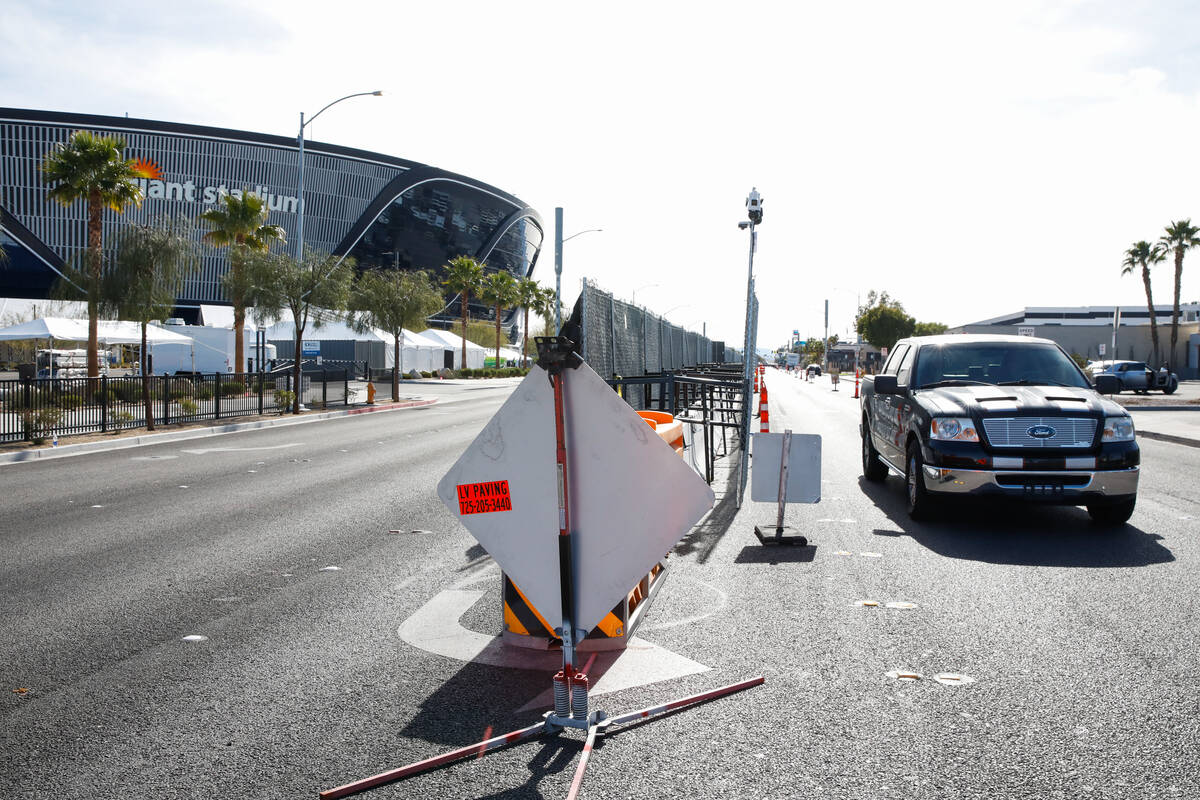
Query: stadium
column 384, row 211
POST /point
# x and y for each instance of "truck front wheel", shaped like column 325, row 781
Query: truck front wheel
column 1112, row 514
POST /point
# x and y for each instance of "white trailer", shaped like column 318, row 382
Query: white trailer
column 211, row 350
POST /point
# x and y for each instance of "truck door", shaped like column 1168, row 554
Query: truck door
column 886, row 409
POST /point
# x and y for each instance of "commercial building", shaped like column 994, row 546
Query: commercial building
column 382, row 210
column 1106, row 332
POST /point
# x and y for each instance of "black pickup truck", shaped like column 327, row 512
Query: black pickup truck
column 1006, row 416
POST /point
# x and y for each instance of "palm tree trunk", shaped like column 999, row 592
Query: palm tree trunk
column 396, row 370
column 1153, row 321
column 464, row 329
column 146, row 385
column 1175, row 307
column 525, row 340
column 239, row 310
column 95, row 234
column 497, row 336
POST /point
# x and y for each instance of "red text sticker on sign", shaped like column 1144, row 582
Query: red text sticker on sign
column 483, row 498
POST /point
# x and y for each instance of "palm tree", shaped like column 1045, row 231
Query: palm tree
column 393, row 300
column 464, row 275
column 241, row 225
column 500, row 290
column 147, row 277
column 1143, row 254
column 1178, row 237
column 532, row 297
column 93, row 169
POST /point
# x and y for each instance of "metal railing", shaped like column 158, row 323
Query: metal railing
column 709, row 397
column 47, row 408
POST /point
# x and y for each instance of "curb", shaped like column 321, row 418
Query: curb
column 69, row 450
column 1166, row 437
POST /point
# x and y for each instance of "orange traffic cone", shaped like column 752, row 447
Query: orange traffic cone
column 763, row 413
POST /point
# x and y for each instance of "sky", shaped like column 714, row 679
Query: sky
column 970, row 159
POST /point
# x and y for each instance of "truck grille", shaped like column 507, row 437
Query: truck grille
column 1014, row 431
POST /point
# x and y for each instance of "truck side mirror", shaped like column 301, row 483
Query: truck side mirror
column 886, row 384
column 1108, row 384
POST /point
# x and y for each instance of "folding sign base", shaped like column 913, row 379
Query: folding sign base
column 595, row 723
column 771, row 534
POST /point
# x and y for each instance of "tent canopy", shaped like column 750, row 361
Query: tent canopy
column 76, row 330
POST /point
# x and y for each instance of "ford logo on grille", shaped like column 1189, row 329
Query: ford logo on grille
column 1040, row 431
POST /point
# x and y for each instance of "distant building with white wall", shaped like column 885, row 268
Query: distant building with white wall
column 1106, row 332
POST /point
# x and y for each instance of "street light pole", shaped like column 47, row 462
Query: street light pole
column 300, row 193
column 754, row 211
column 558, row 246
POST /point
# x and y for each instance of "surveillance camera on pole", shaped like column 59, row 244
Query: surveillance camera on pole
column 754, row 206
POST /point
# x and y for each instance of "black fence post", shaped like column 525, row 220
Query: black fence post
column 103, row 403
column 217, row 394
column 166, row 407
column 260, row 391
column 324, row 388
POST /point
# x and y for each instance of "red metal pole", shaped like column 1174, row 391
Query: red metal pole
column 703, row 697
column 495, row 743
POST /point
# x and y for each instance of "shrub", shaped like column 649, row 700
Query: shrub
column 232, row 388
column 204, row 392
column 123, row 416
column 425, row 374
column 187, row 406
column 128, row 390
column 38, row 423
column 284, row 400
column 69, row 401
column 106, row 397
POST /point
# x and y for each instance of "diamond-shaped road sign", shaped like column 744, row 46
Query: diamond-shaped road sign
column 631, row 497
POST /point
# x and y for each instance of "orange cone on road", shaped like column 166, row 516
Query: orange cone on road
column 764, row 414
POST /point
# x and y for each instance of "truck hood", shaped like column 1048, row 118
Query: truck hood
column 991, row 401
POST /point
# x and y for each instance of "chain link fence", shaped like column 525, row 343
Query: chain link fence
column 621, row 339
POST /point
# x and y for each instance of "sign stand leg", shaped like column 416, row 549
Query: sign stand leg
column 555, row 355
column 780, row 534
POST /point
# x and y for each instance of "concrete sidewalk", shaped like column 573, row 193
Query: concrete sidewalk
column 1178, row 424
column 119, row 442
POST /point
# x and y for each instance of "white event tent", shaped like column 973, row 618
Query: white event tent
column 417, row 352
column 57, row 329
column 475, row 353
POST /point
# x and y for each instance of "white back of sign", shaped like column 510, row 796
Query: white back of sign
column 631, row 496
column 804, row 468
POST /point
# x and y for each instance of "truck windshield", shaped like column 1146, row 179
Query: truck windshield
column 995, row 363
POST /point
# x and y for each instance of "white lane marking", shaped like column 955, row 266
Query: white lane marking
column 151, row 458
column 195, row 637
column 435, row 628
column 329, row 569
column 240, row 449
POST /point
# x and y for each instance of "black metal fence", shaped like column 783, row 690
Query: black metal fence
column 43, row 409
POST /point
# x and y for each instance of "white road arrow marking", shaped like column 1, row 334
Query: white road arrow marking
column 240, row 449
column 435, row 628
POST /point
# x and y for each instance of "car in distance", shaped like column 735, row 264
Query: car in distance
column 1002, row 416
column 1137, row 376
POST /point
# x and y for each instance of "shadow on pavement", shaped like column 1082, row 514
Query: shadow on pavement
column 1022, row 534
column 704, row 537
column 776, row 554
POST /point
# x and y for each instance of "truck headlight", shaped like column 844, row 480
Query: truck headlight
column 953, row 429
column 1118, row 429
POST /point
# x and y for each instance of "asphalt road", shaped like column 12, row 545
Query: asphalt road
column 1078, row 647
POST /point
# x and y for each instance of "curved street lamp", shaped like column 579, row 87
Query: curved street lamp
column 300, row 193
column 558, row 243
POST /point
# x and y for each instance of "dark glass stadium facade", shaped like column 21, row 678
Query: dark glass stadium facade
column 384, row 211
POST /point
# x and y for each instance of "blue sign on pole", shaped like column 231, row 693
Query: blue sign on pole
column 310, row 347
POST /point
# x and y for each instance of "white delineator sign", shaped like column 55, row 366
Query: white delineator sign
column 631, row 497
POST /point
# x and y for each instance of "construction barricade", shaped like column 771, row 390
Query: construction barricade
column 524, row 626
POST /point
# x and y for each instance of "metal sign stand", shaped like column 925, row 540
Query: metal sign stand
column 780, row 535
column 556, row 355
